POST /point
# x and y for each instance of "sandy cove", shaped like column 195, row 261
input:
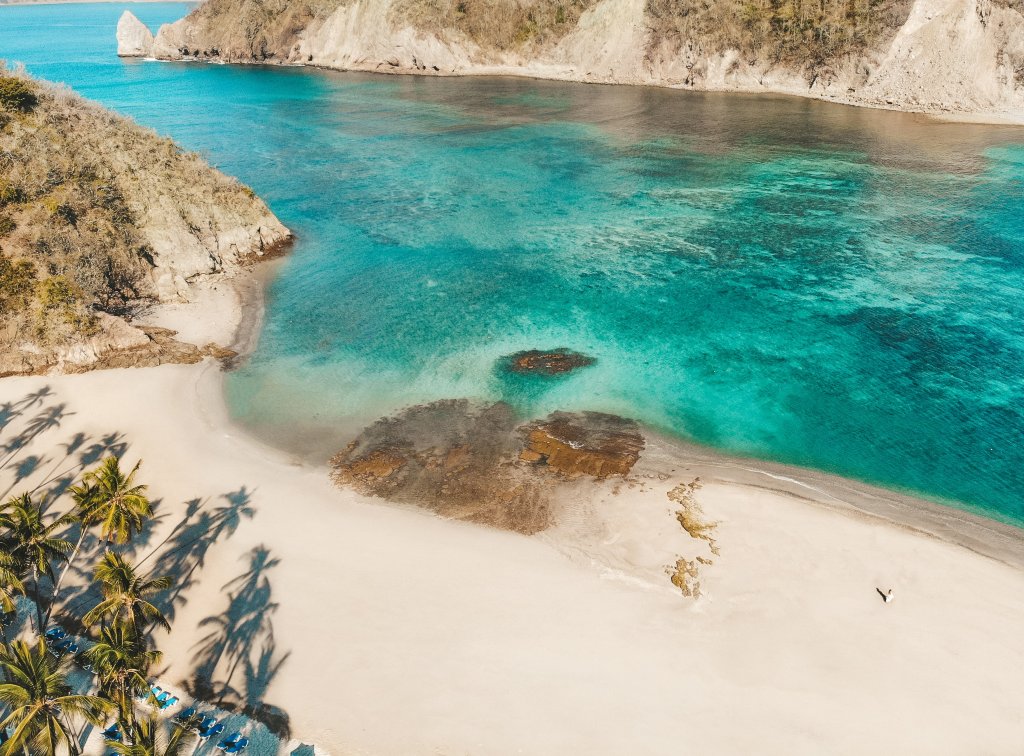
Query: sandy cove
column 396, row 632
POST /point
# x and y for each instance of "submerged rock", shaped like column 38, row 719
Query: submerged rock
column 555, row 362
column 134, row 39
column 589, row 443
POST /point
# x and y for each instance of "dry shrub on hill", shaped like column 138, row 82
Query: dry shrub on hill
column 806, row 34
column 494, row 24
column 78, row 184
column 255, row 29
column 268, row 29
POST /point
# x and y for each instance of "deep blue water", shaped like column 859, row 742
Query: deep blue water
column 808, row 283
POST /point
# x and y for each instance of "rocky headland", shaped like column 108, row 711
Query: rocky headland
column 101, row 221
column 961, row 57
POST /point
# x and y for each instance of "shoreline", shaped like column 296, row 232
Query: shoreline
column 951, row 523
column 666, row 455
column 987, row 536
column 377, row 607
column 940, row 114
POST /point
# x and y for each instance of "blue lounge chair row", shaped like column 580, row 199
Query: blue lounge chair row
column 164, row 699
column 202, row 725
column 66, row 646
column 205, row 726
column 61, row 644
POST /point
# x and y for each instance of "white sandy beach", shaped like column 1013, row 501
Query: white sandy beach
column 407, row 634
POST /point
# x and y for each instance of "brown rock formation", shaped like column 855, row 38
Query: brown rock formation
column 551, row 363
column 451, row 457
column 591, row 443
column 468, row 462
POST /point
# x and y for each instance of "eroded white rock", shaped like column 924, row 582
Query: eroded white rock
column 134, row 39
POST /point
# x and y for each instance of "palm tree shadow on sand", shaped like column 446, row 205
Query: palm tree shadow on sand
column 238, row 658
column 183, row 553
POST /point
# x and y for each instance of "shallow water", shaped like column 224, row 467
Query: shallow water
column 802, row 282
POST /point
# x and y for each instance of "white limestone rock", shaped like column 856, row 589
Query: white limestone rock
column 134, row 39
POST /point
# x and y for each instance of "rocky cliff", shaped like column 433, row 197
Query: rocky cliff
column 99, row 220
column 923, row 55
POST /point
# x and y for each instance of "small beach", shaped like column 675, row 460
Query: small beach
column 396, row 632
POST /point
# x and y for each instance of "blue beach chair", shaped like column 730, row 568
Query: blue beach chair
column 55, row 634
column 57, row 648
column 210, row 729
column 64, row 647
column 169, row 703
column 238, row 747
column 229, row 741
column 113, row 733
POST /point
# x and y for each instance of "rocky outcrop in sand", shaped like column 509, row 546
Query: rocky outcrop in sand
column 591, row 443
column 134, row 39
column 962, row 56
column 478, row 463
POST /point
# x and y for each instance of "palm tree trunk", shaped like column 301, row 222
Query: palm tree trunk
column 73, row 748
column 231, row 673
column 60, row 580
column 127, row 710
column 39, row 608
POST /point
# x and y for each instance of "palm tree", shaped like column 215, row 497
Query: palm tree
column 10, row 581
column 32, row 544
column 118, row 505
column 122, row 661
column 149, row 738
column 10, row 584
column 41, row 704
column 106, row 497
column 125, row 594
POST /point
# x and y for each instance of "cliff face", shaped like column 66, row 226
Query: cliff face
column 925, row 55
column 100, row 219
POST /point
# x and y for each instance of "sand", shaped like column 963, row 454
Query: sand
column 379, row 629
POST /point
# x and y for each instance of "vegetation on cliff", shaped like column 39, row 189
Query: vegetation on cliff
column 79, row 189
column 494, row 24
column 256, row 29
column 800, row 33
column 918, row 55
column 69, row 244
column 260, row 30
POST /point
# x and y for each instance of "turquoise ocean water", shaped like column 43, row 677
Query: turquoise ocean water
column 807, row 283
